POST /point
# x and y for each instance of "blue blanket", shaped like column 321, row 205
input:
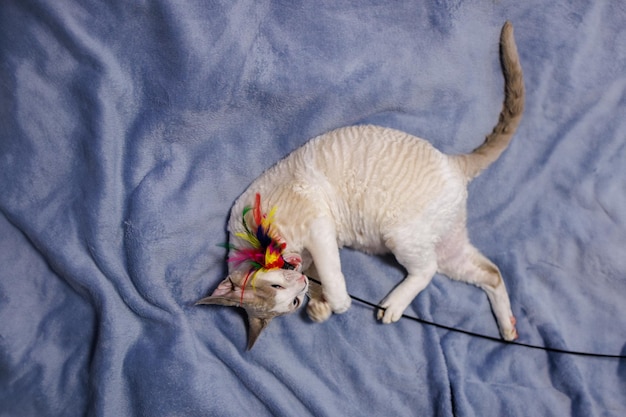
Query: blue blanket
column 128, row 128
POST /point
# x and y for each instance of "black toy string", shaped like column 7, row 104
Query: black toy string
column 491, row 338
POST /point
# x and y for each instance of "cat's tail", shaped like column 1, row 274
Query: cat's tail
column 475, row 162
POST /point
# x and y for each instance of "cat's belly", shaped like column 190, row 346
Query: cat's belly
column 363, row 240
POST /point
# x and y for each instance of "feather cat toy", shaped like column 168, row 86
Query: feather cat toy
column 263, row 250
column 374, row 189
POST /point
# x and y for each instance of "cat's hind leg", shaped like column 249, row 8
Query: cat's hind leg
column 421, row 265
column 460, row 260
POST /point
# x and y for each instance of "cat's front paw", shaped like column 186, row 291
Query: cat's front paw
column 340, row 305
column 318, row 310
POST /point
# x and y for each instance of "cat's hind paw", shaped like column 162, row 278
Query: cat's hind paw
column 509, row 332
column 318, row 310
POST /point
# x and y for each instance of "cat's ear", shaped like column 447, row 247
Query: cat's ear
column 226, row 294
column 255, row 327
column 294, row 260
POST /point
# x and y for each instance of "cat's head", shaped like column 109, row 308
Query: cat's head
column 270, row 293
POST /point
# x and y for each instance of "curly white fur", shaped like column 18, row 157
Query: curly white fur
column 378, row 190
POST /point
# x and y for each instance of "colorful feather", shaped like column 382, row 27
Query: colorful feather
column 264, row 248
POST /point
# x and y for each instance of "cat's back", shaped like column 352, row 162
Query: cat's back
column 361, row 163
column 368, row 156
column 366, row 177
column 354, row 144
column 377, row 174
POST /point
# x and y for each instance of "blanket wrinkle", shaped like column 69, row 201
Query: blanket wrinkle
column 129, row 128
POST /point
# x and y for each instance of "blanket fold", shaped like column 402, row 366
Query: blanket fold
column 129, row 129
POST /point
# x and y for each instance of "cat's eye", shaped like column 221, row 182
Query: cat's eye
column 278, row 287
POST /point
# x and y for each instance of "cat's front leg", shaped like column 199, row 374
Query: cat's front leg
column 317, row 308
column 325, row 252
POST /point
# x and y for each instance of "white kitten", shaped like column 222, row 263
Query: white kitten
column 374, row 189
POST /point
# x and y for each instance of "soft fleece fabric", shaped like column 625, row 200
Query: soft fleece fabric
column 130, row 127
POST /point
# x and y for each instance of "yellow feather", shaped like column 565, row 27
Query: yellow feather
column 249, row 238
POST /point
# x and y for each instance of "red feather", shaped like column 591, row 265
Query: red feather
column 264, row 249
